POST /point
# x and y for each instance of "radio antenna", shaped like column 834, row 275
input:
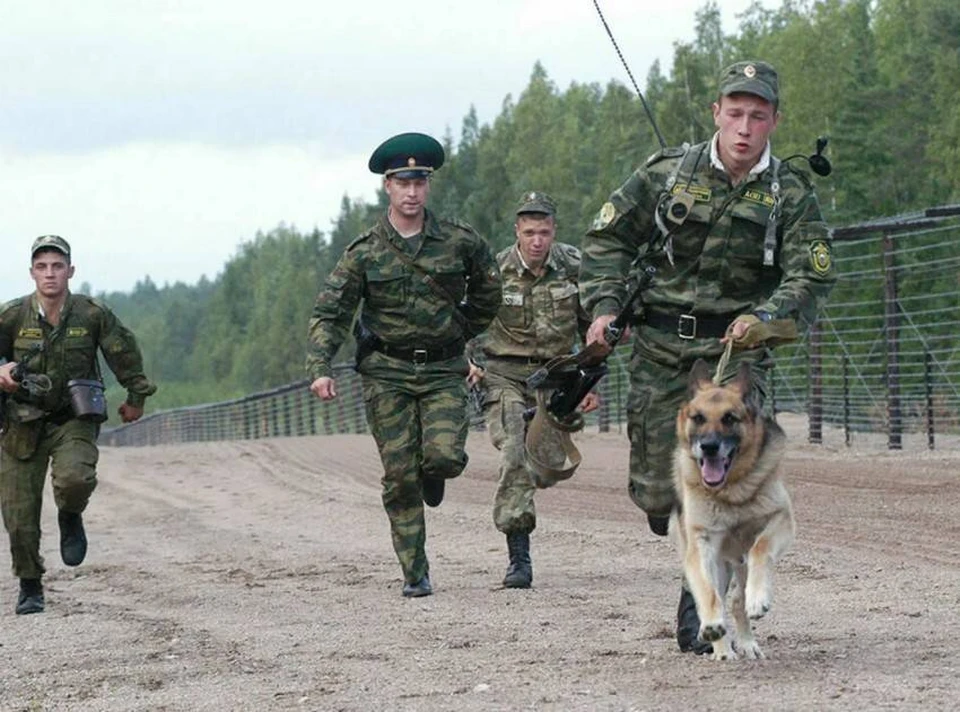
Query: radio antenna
column 646, row 107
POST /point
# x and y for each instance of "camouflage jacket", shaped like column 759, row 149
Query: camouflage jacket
column 718, row 250
column 398, row 306
column 540, row 317
column 69, row 350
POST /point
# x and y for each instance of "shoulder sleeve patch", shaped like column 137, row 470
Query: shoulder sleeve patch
column 820, row 257
column 606, row 215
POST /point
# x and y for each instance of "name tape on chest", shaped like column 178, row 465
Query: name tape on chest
column 75, row 332
column 700, row 193
column 759, row 197
column 30, row 333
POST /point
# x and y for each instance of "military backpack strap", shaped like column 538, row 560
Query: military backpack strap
column 770, row 236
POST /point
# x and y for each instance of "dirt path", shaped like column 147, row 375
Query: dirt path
column 259, row 576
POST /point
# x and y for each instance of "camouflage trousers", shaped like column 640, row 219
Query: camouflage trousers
column 418, row 418
column 71, row 452
column 659, row 378
column 505, row 400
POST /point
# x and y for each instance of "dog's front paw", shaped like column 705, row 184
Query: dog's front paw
column 758, row 606
column 723, row 653
column 710, row 632
column 750, row 650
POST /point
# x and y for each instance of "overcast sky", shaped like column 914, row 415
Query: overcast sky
column 159, row 135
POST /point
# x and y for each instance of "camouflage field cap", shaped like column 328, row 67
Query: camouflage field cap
column 50, row 242
column 757, row 78
column 407, row 155
column 533, row 201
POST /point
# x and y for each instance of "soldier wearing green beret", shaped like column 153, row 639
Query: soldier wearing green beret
column 743, row 242
column 424, row 286
column 540, row 318
column 49, row 342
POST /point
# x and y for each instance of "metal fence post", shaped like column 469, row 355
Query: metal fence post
column 815, row 435
column 928, row 388
column 891, row 326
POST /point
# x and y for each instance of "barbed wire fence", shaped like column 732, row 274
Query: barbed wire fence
column 883, row 357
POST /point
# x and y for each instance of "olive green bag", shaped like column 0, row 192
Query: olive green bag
column 23, row 425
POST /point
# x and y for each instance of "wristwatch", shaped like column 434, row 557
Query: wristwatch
column 763, row 316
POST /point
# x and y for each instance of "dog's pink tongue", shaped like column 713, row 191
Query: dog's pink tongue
column 712, row 470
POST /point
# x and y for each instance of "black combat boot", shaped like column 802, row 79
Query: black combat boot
column 520, row 571
column 433, row 491
column 73, row 540
column 418, row 589
column 688, row 626
column 31, row 597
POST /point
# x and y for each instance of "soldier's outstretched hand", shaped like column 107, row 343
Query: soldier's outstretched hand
column 325, row 388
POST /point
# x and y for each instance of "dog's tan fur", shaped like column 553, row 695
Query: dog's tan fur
column 729, row 533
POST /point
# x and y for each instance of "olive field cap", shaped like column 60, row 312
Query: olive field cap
column 50, row 242
column 757, row 78
column 534, row 201
column 407, row 155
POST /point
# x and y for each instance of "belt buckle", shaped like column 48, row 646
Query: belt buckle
column 687, row 326
column 419, row 357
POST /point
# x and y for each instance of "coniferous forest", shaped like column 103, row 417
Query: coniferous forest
column 880, row 78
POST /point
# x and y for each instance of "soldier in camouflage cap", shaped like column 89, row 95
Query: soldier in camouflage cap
column 49, row 340
column 540, row 318
column 736, row 238
column 427, row 285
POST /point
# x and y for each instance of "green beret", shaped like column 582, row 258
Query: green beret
column 757, row 78
column 407, row 155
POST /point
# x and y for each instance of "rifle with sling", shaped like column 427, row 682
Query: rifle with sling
column 568, row 379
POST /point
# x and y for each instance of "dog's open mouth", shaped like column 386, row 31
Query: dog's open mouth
column 714, row 469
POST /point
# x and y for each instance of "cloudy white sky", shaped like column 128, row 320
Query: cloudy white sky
column 159, row 135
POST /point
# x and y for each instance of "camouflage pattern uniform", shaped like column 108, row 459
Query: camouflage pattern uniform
column 41, row 429
column 719, row 273
column 540, row 318
column 416, row 409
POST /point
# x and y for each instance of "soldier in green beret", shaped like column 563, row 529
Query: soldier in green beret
column 540, row 318
column 49, row 342
column 424, row 287
column 743, row 242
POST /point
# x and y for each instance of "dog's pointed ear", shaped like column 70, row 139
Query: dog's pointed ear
column 744, row 383
column 699, row 376
column 744, row 379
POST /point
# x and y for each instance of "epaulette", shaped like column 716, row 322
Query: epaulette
column 362, row 237
column 569, row 251
column 12, row 304
column 799, row 173
column 668, row 152
column 459, row 223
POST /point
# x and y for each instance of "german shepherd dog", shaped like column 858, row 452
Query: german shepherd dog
column 734, row 518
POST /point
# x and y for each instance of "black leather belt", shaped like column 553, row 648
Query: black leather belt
column 421, row 356
column 688, row 326
column 522, row 360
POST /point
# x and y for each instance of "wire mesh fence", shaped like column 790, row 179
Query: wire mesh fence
column 883, row 357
